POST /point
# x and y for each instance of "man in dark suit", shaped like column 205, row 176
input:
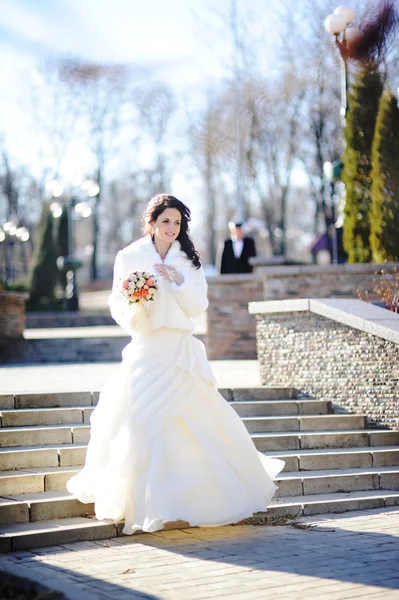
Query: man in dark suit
column 237, row 251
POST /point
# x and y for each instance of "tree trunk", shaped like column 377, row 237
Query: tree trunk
column 210, row 208
column 96, row 227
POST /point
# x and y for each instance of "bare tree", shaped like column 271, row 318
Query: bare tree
column 156, row 105
column 211, row 151
column 101, row 92
column 52, row 106
column 20, row 198
column 321, row 72
column 273, row 118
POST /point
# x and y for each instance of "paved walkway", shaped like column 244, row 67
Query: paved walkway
column 92, row 376
column 336, row 557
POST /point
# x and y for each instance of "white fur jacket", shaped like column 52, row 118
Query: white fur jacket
column 174, row 305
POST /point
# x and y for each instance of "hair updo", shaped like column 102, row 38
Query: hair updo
column 156, row 206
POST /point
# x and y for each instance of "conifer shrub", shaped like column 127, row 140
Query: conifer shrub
column 359, row 133
column 384, row 208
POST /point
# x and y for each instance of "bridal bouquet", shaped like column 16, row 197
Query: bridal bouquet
column 138, row 287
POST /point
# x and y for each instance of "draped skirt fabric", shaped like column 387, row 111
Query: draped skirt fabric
column 166, row 446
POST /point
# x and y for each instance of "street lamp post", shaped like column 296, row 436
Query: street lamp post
column 75, row 208
column 338, row 25
column 332, row 171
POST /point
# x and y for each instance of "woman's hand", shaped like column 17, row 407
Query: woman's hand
column 169, row 273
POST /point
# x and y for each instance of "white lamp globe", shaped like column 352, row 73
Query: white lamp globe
column 345, row 12
column 334, row 24
column 86, row 212
column 91, row 187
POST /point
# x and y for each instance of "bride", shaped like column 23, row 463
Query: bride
column 165, row 445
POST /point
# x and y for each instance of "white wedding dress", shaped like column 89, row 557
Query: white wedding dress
column 165, row 445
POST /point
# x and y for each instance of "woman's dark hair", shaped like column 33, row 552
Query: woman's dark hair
column 156, row 207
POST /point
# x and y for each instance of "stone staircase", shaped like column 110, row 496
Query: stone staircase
column 73, row 338
column 52, row 320
column 333, row 463
column 68, row 345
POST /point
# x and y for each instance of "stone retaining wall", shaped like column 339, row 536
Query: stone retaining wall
column 315, row 281
column 231, row 330
column 12, row 314
column 329, row 360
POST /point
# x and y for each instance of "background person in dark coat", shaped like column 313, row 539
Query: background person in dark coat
column 237, row 251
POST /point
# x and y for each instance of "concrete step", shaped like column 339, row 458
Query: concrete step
column 7, row 401
column 65, row 455
column 337, row 458
column 35, row 480
column 79, row 415
column 54, row 532
column 262, row 408
column 43, row 435
column 269, row 431
column 304, row 483
column 261, row 393
column 296, row 506
column 48, row 400
column 90, row 398
column 51, row 320
column 53, row 455
column 324, row 439
column 26, row 535
column 271, row 440
column 69, row 350
column 296, row 483
column 45, row 416
column 25, row 508
column 304, row 423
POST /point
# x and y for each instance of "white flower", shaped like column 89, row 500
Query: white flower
column 140, row 283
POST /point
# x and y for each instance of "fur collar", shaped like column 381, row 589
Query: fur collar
column 145, row 245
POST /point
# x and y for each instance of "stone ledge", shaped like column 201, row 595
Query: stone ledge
column 289, row 270
column 234, row 278
column 13, row 294
column 354, row 313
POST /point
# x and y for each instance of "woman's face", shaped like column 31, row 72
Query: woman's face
column 167, row 226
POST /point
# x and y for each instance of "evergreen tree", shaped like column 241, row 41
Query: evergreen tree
column 44, row 271
column 359, row 134
column 384, row 211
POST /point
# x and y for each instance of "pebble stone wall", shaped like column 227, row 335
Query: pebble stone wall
column 327, row 360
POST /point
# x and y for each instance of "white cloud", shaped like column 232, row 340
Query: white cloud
column 21, row 21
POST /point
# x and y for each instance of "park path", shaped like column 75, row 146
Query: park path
column 339, row 557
